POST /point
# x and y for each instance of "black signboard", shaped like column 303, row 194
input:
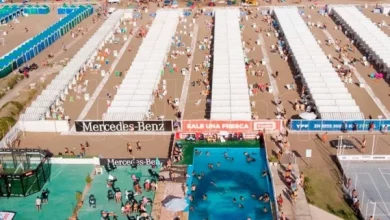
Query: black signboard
column 134, row 161
column 124, row 126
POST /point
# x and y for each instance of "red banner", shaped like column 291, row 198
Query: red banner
column 230, row 126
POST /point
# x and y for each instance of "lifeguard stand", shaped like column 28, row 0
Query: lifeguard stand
column 23, row 171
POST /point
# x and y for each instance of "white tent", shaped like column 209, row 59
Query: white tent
column 316, row 71
column 60, row 83
column 366, row 33
column 230, row 97
column 134, row 96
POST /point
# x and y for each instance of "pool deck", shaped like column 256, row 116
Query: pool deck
column 169, row 188
column 301, row 210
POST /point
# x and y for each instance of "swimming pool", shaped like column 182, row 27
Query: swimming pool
column 229, row 179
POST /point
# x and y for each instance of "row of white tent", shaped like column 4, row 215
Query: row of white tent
column 135, row 94
column 58, row 87
column 366, row 33
column 328, row 92
column 230, row 96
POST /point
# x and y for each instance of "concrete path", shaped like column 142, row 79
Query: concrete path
column 187, row 77
column 320, row 214
column 270, row 72
column 298, row 211
column 23, row 85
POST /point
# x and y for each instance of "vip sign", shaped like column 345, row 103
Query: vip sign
column 123, row 126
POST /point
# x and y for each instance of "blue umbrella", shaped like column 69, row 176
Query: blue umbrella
column 176, row 205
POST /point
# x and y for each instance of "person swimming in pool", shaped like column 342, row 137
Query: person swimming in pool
column 204, row 197
column 265, row 209
column 265, row 173
column 223, row 205
column 264, row 197
column 250, row 159
column 218, row 164
column 207, row 153
column 214, row 184
column 198, row 152
column 193, row 187
column 225, row 154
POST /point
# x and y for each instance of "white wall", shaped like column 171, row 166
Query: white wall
column 44, row 126
column 60, row 160
column 11, row 136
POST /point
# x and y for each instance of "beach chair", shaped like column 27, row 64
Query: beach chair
column 92, row 201
column 130, row 195
column 132, row 218
column 107, row 168
column 153, row 174
column 110, row 195
column 112, row 166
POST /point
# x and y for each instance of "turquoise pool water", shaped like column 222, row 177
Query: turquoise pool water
column 229, row 179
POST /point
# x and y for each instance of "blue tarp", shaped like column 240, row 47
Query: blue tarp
column 10, row 15
column 67, row 9
column 29, row 49
column 36, row 9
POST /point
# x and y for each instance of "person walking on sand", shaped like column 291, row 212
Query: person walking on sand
column 139, row 145
column 349, row 183
column 302, row 178
column 129, row 148
column 280, row 201
column 364, row 141
column 324, row 137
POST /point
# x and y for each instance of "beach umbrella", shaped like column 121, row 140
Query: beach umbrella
column 308, row 115
column 176, row 205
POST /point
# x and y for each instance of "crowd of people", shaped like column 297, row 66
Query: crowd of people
column 129, row 204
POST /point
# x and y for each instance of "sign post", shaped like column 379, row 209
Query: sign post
column 308, row 156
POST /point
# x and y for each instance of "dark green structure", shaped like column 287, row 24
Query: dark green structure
column 23, row 171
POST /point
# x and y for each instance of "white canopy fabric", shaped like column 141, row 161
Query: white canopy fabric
column 61, row 82
column 366, row 33
column 135, row 95
column 230, row 96
column 316, row 71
